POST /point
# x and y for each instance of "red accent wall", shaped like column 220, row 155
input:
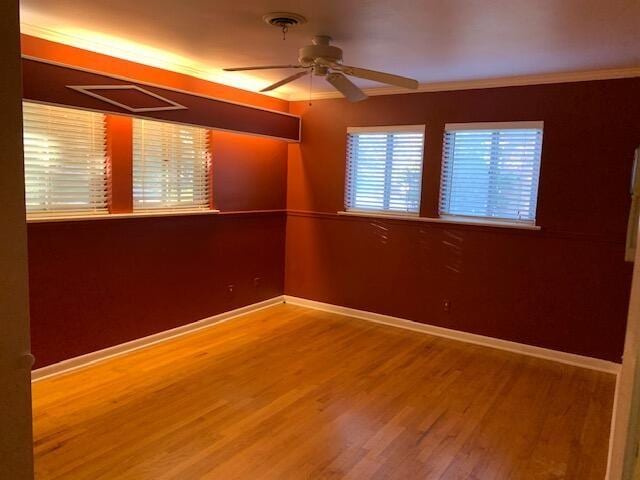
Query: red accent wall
column 98, row 283
column 94, row 284
column 250, row 172
column 119, row 131
column 565, row 287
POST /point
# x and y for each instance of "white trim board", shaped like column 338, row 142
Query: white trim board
column 451, row 219
column 61, row 217
column 530, row 350
column 92, row 358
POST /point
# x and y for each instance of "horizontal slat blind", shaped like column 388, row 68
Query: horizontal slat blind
column 384, row 171
column 170, row 166
column 491, row 172
column 64, row 160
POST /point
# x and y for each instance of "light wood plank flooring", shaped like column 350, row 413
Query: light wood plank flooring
column 291, row 393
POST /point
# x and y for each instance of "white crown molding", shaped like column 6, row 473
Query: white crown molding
column 515, row 81
column 122, row 53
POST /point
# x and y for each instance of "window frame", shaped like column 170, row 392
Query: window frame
column 481, row 219
column 388, row 129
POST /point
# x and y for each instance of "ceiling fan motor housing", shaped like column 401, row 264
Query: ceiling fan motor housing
column 320, row 49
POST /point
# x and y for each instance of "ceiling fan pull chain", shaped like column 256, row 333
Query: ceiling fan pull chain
column 310, row 86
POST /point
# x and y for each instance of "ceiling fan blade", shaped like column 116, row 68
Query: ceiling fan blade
column 381, row 77
column 346, row 87
column 291, row 78
column 265, row 67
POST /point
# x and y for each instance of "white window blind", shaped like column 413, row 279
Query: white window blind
column 491, row 170
column 170, row 166
column 64, row 160
column 384, row 171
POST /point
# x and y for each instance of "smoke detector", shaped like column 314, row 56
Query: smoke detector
column 284, row 20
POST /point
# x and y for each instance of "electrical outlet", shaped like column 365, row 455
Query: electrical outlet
column 446, row 305
column 257, row 282
column 230, row 288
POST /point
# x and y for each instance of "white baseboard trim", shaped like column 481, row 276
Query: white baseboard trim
column 92, row 358
column 539, row 352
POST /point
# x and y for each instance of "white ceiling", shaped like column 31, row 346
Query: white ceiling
column 429, row 40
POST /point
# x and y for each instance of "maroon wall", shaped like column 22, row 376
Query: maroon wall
column 99, row 283
column 250, row 173
column 565, row 287
column 48, row 83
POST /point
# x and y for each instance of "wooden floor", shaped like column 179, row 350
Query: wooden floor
column 291, row 393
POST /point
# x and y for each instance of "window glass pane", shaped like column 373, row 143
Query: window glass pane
column 170, row 166
column 491, row 173
column 384, row 171
column 64, row 160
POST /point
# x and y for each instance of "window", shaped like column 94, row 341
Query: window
column 384, row 171
column 64, row 161
column 170, row 166
column 491, row 171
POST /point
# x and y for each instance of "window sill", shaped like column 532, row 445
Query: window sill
column 446, row 220
column 374, row 214
column 108, row 216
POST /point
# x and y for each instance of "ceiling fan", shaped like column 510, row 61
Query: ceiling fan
column 325, row 60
